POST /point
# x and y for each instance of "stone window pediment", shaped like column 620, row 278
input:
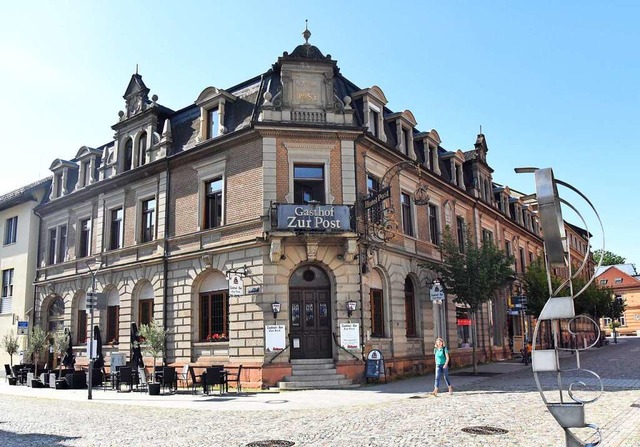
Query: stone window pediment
column 212, row 100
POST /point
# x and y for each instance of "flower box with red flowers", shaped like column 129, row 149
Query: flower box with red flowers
column 217, row 337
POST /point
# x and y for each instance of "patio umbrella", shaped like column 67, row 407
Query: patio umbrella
column 99, row 361
column 136, row 354
column 69, row 359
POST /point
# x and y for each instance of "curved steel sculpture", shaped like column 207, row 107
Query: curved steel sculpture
column 563, row 403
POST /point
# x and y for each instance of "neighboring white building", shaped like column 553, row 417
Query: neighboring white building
column 18, row 257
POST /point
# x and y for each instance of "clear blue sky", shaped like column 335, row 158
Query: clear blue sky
column 553, row 84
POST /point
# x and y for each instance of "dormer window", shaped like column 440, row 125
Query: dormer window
column 374, row 122
column 65, row 177
column 128, row 156
column 213, row 124
column 618, row 281
column 373, row 102
column 212, row 108
column 86, row 172
column 142, row 149
column 58, row 184
column 89, row 162
column 406, row 141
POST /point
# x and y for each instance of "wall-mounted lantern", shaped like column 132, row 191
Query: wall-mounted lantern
column 351, row 306
column 275, row 307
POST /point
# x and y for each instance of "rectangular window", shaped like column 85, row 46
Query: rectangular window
column 530, row 257
column 52, row 246
column 377, row 313
column 604, row 282
column 507, row 248
column 113, row 317
column 487, row 237
column 81, row 331
column 407, row 218
column 407, row 140
column 308, row 184
column 62, row 243
column 622, row 320
column 434, row 228
column 214, row 316
column 11, row 230
column 145, row 311
column 373, row 122
column 6, row 300
column 214, row 122
column 84, row 247
column 618, row 281
column 522, row 264
column 116, row 229
column 461, row 230
column 86, row 172
column 213, row 203
column 58, row 183
column 410, row 312
column 148, row 220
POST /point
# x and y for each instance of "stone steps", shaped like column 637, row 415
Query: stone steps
column 309, row 374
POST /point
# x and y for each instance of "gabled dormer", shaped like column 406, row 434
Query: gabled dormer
column 212, row 103
column 404, row 123
column 431, row 143
column 65, row 176
column 454, row 162
column 89, row 160
column 137, row 135
column 373, row 104
column 501, row 196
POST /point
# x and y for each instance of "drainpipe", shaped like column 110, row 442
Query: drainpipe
column 165, row 261
column 35, row 294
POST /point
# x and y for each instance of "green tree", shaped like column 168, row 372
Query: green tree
column 536, row 286
column 473, row 274
column 10, row 344
column 60, row 345
column 154, row 339
column 38, row 342
column 608, row 258
column 615, row 310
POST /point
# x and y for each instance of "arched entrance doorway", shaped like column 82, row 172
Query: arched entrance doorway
column 310, row 316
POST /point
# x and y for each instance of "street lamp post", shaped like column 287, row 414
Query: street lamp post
column 91, row 303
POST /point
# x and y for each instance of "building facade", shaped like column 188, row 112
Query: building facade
column 19, row 228
column 624, row 281
column 293, row 203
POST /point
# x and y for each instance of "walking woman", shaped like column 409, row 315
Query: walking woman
column 442, row 365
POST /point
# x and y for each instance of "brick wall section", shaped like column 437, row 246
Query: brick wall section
column 243, row 189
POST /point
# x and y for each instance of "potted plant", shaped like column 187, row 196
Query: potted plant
column 38, row 343
column 10, row 344
column 154, row 340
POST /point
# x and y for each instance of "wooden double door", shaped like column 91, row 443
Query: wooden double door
column 310, row 323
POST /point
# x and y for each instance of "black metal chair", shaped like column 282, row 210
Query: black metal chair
column 235, row 378
column 125, row 375
column 216, row 375
column 8, row 372
column 195, row 380
column 169, row 378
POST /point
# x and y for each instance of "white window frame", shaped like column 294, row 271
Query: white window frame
column 207, row 171
column 310, row 154
column 14, row 231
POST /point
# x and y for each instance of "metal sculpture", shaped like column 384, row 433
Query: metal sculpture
column 564, row 403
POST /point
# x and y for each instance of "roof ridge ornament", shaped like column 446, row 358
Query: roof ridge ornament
column 306, row 34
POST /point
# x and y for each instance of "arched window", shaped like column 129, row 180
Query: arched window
column 214, row 308
column 128, row 156
column 377, row 305
column 55, row 315
column 81, row 329
column 410, row 307
column 142, row 149
column 113, row 317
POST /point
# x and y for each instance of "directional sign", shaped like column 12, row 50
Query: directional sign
column 23, row 327
column 96, row 301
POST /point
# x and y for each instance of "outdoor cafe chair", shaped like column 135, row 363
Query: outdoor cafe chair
column 216, row 375
column 235, row 378
column 183, row 376
column 7, row 371
column 125, row 375
column 195, row 380
column 143, row 384
column 169, row 378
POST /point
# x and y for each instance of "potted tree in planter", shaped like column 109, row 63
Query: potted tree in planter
column 38, row 342
column 154, row 340
column 10, row 345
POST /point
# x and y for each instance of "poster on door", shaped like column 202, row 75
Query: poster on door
column 350, row 336
column 274, row 337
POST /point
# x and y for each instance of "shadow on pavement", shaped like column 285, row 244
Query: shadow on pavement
column 32, row 439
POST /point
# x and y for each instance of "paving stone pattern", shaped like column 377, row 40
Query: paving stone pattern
column 373, row 416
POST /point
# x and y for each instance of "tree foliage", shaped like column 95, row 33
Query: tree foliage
column 10, row 344
column 474, row 275
column 38, row 342
column 154, row 339
column 608, row 258
column 536, row 286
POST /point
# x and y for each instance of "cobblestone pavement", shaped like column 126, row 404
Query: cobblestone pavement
column 397, row 414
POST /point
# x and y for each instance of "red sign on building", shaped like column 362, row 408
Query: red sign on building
column 464, row 322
